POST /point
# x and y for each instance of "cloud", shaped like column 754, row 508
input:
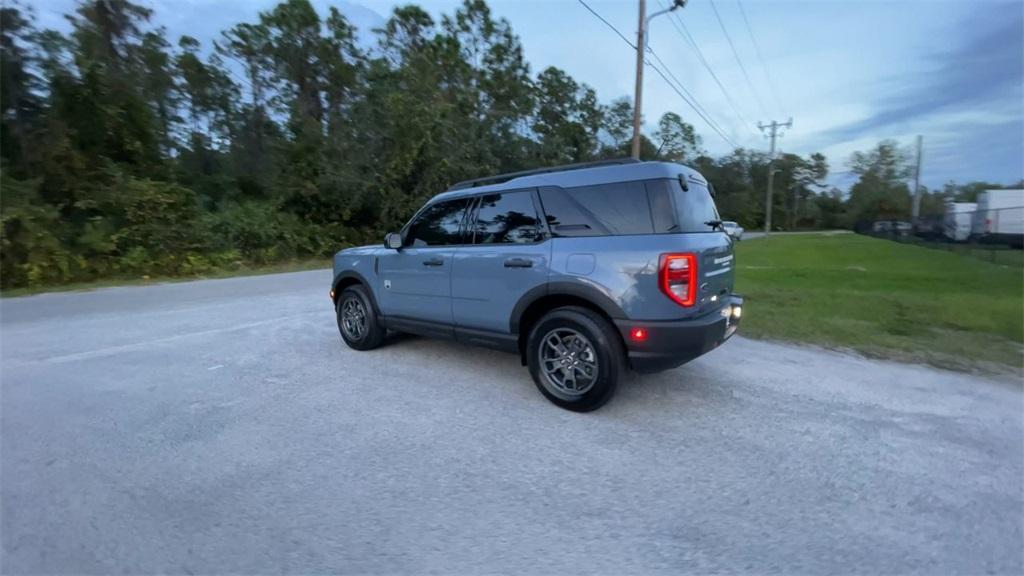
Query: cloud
column 985, row 70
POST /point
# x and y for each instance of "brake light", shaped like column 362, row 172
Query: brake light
column 677, row 278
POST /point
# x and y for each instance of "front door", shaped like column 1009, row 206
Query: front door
column 415, row 282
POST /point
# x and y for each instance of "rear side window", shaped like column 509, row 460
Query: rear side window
column 604, row 210
column 509, row 218
column 438, row 225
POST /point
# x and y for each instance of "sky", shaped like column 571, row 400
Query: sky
column 848, row 72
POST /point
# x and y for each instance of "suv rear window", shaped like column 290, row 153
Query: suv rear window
column 694, row 206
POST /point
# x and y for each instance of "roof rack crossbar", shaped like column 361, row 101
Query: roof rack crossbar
column 498, row 178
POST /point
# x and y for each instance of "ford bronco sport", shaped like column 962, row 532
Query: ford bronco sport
column 583, row 270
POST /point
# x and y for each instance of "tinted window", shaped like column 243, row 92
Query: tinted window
column 608, row 209
column 438, row 225
column 662, row 211
column 694, row 207
column 507, row 218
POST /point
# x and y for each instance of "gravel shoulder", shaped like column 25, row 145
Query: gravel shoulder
column 221, row 426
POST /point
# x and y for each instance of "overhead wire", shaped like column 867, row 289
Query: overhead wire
column 692, row 103
column 736, row 55
column 684, row 33
column 760, row 57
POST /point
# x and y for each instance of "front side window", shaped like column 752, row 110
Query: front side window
column 508, row 218
column 438, row 225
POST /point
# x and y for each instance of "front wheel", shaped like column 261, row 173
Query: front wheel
column 357, row 321
column 575, row 358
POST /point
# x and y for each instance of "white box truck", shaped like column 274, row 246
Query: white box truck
column 999, row 218
column 957, row 221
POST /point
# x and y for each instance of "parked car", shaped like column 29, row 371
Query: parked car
column 999, row 218
column 733, row 229
column 582, row 270
column 897, row 227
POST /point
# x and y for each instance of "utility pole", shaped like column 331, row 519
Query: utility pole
column 639, row 96
column 773, row 133
column 916, row 209
column 641, row 47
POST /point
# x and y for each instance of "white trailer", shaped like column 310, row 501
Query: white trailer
column 999, row 218
column 957, row 221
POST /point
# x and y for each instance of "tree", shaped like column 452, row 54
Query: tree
column 618, row 123
column 124, row 154
column 881, row 191
column 19, row 101
column 159, row 87
column 249, row 46
column 677, row 141
column 567, row 119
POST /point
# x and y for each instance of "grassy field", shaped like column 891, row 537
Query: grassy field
column 291, row 266
column 884, row 299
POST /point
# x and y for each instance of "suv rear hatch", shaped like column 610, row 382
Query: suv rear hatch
column 697, row 217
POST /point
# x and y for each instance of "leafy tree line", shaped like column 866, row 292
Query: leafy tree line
column 884, row 191
column 125, row 152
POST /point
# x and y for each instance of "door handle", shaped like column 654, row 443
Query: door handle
column 518, row 263
column 434, row 262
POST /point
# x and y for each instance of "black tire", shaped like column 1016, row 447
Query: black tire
column 372, row 333
column 606, row 351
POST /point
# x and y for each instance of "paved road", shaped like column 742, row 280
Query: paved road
column 220, row 426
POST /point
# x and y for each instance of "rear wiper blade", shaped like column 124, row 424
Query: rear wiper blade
column 714, row 223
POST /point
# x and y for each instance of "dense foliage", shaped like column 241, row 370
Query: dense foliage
column 125, row 152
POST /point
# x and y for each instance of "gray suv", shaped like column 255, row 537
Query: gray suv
column 583, row 270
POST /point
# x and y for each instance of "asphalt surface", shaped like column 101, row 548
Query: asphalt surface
column 221, row 426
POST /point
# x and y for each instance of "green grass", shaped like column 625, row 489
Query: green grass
column 884, row 299
column 290, row 266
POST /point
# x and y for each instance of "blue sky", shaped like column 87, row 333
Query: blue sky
column 849, row 72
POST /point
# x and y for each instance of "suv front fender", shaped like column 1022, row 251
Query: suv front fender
column 351, row 276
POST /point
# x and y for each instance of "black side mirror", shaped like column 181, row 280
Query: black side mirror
column 393, row 240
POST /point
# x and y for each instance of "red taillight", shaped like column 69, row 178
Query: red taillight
column 677, row 277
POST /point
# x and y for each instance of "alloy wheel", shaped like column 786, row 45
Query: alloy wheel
column 353, row 318
column 568, row 363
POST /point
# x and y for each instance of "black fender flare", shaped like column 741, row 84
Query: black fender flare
column 353, row 275
column 576, row 289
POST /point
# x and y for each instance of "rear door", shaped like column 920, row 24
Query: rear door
column 508, row 255
column 416, row 280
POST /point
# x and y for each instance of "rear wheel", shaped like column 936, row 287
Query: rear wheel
column 357, row 321
column 575, row 358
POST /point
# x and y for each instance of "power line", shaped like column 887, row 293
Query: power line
column 764, row 65
column 691, row 99
column 680, row 27
column 737, row 56
column 707, row 120
column 608, row 24
column 692, row 104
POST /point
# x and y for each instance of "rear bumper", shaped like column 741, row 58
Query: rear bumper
column 666, row 345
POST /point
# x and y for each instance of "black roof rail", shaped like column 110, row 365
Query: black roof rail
column 498, row 178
